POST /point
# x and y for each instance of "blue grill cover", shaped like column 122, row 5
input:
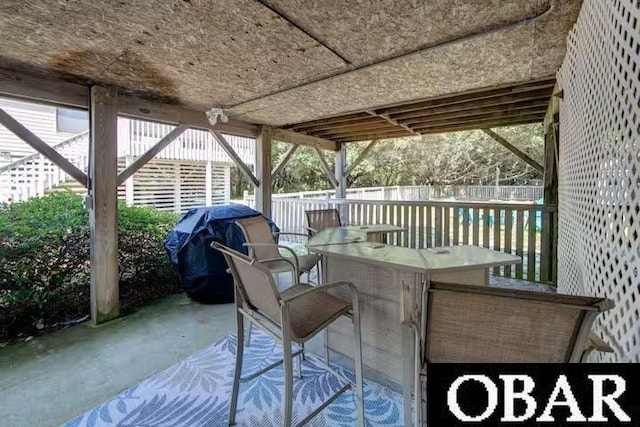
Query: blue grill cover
column 201, row 268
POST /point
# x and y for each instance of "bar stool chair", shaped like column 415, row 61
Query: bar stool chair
column 293, row 316
column 319, row 219
column 264, row 248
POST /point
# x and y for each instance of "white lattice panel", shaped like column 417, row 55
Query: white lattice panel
column 178, row 185
column 599, row 172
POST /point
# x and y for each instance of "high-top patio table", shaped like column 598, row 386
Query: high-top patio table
column 391, row 281
column 375, row 232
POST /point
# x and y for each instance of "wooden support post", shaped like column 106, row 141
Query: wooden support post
column 41, row 147
column 150, row 153
column 281, row 164
column 263, row 171
column 341, row 178
column 103, row 207
column 363, row 155
column 549, row 232
column 224, row 144
column 325, row 168
column 521, row 154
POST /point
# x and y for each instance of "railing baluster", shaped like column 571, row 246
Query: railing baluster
column 497, row 231
column 420, row 222
column 531, row 243
column 429, row 212
column 465, row 225
column 486, row 216
column 520, row 241
column 406, row 224
column 508, row 221
column 476, row 226
column 437, row 241
column 456, row 225
column 447, row 226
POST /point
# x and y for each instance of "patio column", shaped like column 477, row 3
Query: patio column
column 549, row 220
column 263, row 171
column 341, row 177
column 102, row 204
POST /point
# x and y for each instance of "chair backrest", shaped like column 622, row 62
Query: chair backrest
column 253, row 281
column 323, row 218
column 256, row 230
column 468, row 324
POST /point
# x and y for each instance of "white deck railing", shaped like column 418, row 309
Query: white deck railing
column 428, row 192
column 137, row 136
column 526, row 230
column 33, row 175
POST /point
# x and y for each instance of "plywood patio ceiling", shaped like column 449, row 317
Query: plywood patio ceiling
column 282, row 62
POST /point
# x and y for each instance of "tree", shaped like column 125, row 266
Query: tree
column 468, row 157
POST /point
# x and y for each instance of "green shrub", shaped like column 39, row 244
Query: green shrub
column 44, row 256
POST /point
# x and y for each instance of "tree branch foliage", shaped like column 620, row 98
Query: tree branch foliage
column 469, row 157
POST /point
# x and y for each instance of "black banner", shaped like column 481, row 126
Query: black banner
column 533, row 394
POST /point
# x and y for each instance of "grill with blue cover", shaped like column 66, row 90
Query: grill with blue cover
column 202, row 269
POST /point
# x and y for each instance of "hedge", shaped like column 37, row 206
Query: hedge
column 44, row 260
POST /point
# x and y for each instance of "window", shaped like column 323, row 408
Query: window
column 72, row 121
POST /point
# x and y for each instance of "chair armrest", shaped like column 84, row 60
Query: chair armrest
column 354, row 291
column 594, row 342
column 293, row 266
column 293, row 234
column 313, row 231
column 296, row 266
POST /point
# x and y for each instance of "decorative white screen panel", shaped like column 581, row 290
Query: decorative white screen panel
column 177, row 185
column 599, row 169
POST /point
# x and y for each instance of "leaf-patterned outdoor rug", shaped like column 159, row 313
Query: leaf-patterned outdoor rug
column 196, row 392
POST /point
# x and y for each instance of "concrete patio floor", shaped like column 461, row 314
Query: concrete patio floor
column 53, row 378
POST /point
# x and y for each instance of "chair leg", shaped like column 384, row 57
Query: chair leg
column 288, row 376
column 247, row 338
column 299, row 361
column 417, row 387
column 358, row 362
column 238, row 368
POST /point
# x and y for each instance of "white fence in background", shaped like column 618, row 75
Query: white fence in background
column 426, row 192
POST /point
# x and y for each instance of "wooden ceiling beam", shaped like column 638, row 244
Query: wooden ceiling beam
column 475, row 126
column 348, row 125
column 339, row 135
column 469, row 96
column 331, row 120
column 291, row 137
column 481, row 118
column 390, row 120
column 528, row 105
column 62, row 93
column 515, row 150
column 356, row 138
column 445, row 129
column 501, row 101
column 373, row 128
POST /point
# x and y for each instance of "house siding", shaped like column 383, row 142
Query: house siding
column 38, row 118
